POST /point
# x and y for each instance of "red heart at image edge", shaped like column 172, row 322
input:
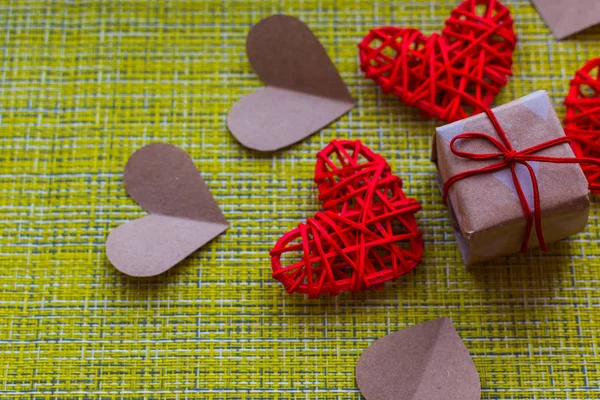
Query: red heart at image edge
column 582, row 120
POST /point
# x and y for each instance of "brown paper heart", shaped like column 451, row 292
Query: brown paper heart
column 424, row 362
column 566, row 18
column 183, row 214
column 304, row 90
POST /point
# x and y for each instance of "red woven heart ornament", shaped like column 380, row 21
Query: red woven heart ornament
column 582, row 122
column 366, row 235
column 449, row 76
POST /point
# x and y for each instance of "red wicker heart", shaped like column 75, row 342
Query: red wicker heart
column 450, row 76
column 366, row 236
column 582, row 122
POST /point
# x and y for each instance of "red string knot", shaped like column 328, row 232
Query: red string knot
column 510, row 155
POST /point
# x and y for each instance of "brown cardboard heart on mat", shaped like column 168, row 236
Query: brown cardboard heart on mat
column 567, row 17
column 304, row 90
column 183, row 214
column 424, row 362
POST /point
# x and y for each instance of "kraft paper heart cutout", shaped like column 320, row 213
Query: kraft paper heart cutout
column 304, row 91
column 449, row 76
column 424, row 362
column 183, row 217
column 366, row 235
column 582, row 121
column 566, row 18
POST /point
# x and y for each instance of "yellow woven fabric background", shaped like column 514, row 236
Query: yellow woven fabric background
column 83, row 84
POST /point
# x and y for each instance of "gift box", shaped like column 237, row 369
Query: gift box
column 511, row 190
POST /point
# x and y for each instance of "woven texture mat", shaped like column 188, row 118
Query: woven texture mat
column 84, row 84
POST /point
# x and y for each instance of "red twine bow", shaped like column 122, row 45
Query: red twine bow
column 509, row 158
column 366, row 236
column 582, row 122
column 450, row 76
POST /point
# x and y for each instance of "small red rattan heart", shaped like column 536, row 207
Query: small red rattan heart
column 366, row 236
column 450, row 76
column 582, row 122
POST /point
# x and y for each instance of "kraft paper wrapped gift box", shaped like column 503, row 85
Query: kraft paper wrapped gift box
column 485, row 210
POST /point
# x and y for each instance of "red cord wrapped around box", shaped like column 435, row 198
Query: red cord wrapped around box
column 582, row 122
column 508, row 157
column 366, row 235
column 449, row 76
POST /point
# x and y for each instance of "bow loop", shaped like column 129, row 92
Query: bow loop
column 502, row 148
